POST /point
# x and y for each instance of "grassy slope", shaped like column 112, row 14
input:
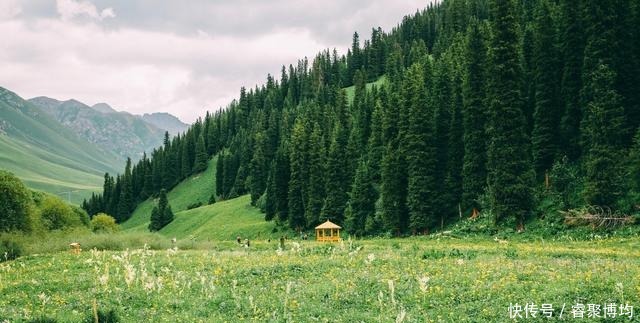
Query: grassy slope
column 351, row 90
column 221, row 221
column 45, row 154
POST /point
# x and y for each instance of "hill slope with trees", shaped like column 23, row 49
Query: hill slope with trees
column 518, row 109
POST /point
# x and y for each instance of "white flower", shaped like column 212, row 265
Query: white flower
column 401, row 315
column 424, row 281
column 370, row 258
column 460, row 261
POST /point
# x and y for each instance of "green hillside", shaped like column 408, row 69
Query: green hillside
column 46, row 155
column 221, row 221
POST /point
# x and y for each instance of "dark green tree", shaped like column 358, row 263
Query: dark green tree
column 200, row 164
column 258, row 171
column 362, row 201
column 545, row 134
column 16, row 205
column 316, row 177
column 602, row 124
column 509, row 162
column 474, row 173
column 420, row 153
column 161, row 215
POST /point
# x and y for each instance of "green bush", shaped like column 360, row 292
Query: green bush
column 16, row 206
column 82, row 215
column 9, row 249
column 104, row 223
column 194, row 205
column 57, row 215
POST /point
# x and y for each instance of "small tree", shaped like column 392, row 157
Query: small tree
column 15, row 204
column 104, row 223
column 161, row 215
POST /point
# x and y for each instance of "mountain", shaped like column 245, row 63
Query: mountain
column 103, row 107
column 46, row 155
column 119, row 132
column 166, row 121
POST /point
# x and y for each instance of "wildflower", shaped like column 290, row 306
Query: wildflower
column 401, row 315
column 460, row 261
column 370, row 258
column 424, row 281
column 129, row 274
column 392, row 291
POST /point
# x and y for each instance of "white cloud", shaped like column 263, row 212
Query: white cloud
column 9, row 9
column 183, row 70
column 69, row 9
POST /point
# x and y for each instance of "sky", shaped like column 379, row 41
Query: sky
column 181, row 57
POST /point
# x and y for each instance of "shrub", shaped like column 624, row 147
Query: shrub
column 82, row 215
column 16, row 209
column 104, row 223
column 9, row 249
column 57, row 215
column 194, row 205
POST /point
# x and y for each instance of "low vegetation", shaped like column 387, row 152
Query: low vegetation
column 418, row 279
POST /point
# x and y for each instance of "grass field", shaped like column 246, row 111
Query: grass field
column 411, row 280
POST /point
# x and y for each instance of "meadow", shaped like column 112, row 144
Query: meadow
column 421, row 279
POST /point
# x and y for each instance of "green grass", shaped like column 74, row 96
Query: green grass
column 222, row 221
column 197, row 188
column 424, row 279
column 378, row 83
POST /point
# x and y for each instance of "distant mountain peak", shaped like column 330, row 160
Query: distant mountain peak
column 166, row 121
column 103, row 107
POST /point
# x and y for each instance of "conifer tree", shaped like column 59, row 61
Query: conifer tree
column 544, row 137
column 602, row 126
column 220, row 175
column 270, row 195
column 509, row 161
column 474, row 174
column 571, row 48
column 161, row 215
column 420, row 153
column 299, row 175
column 281, row 179
column 362, row 201
column 258, row 169
column 200, row 164
column 337, row 180
column 316, row 178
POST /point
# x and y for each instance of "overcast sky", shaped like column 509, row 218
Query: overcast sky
column 182, row 57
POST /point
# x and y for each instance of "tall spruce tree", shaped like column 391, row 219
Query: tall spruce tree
column 602, row 126
column 362, row 200
column 200, row 163
column 299, row 175
column 545, row 136
column 474, row 173
column 258, row 169
column 420, row 153
column 571, row 50
column 509, row 161
column 316, row 177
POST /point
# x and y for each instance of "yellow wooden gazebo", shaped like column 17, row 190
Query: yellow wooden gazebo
column 328, row 231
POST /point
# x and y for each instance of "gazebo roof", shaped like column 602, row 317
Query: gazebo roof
column 328, row 225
